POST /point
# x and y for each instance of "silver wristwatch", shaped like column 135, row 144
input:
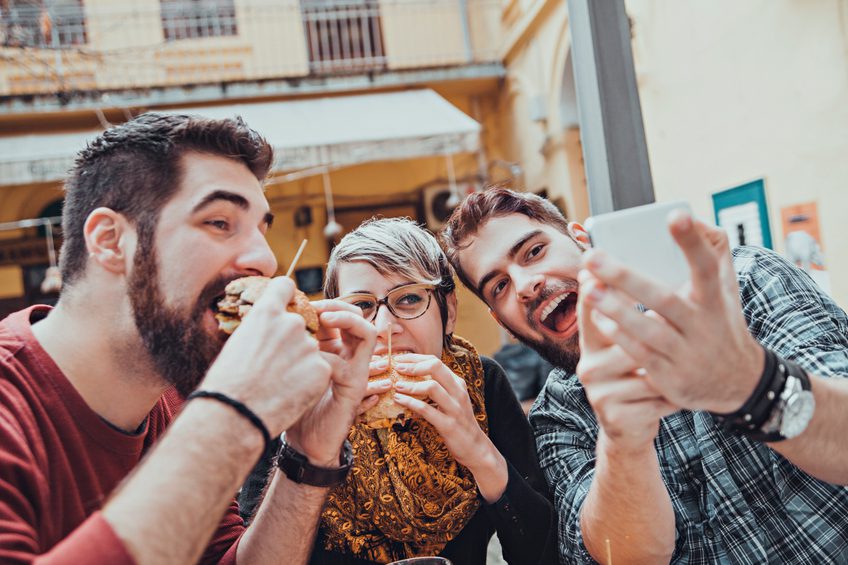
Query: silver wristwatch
column 793, row 411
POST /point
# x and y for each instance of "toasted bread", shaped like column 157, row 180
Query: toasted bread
column 240, row 296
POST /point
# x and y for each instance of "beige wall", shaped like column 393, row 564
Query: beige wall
column 734, row 91
column 535, row 133
column 126, row 47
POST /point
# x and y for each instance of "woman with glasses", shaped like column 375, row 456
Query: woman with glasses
column 466, row 466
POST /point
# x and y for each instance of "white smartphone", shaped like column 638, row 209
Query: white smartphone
column 639, row 238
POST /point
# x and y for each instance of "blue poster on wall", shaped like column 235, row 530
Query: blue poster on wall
column 743, row 212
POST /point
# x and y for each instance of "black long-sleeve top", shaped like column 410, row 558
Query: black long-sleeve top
column 523, row 517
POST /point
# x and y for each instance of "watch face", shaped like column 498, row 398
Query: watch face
column 797, row 413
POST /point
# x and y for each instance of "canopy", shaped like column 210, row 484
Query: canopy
column 335, row 131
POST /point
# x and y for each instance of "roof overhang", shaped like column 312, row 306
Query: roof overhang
column 335, row 131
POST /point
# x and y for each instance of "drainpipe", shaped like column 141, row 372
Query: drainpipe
column 466, row 31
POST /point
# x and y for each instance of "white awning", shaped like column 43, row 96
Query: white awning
column 336, row 131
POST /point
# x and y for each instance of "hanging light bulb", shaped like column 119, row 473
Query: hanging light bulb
column 333, row 229
column 52, row 281
column 53, row 276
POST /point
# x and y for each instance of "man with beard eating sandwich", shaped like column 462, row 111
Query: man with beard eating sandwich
column 707, row 430
column 102, row 460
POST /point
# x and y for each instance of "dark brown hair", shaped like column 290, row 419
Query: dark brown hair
column 135, row 169
column 493, row 202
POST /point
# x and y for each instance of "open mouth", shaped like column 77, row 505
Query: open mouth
column 382, row 351
column 559, row 315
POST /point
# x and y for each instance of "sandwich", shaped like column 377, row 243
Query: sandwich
column 240, row 296
column 388, row 413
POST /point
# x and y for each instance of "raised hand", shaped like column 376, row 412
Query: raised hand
column 627, row 406
column 694, row 344
column 453, row 417
column 346, row 342
column 270, row 363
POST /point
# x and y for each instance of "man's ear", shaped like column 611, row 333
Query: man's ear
column 108, row 237
column 580, row 235
column 450, row 301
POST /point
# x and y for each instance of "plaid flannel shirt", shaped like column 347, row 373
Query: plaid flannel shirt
column 735, row 500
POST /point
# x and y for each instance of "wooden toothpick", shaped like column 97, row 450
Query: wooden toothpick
column 296, row 258
column 389, row 329
column 609, row 552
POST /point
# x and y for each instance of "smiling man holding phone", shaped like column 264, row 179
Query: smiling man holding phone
column 705, row 430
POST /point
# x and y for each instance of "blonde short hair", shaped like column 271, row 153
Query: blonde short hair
column 394, row 246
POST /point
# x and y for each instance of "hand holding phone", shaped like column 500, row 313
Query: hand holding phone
column 639, row 239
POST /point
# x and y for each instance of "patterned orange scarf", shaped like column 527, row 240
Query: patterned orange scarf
column 406, row 495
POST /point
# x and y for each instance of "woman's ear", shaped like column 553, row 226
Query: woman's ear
column 106, row 235
column 580, row 235
column 450, row 301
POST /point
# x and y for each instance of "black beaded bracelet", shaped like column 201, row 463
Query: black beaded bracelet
column 751, row 416
column 239, row 407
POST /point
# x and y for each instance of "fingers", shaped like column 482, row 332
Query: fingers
column 700, row 252
column 652, row 294
column 377, row 367
column 368, row 403
column 643, row 337
column 715, row 236
column 429, row 365
column 621, row 390
column 607, row 364
column 327, row 305
column 328, row 331
column 357, row 334
column 278, row 294
column 430, row 413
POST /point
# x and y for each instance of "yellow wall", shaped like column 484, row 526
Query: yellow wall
column 11, row 281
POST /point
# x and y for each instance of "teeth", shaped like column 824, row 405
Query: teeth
column 552, row 306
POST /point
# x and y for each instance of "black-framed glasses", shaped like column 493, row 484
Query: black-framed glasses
column 406, row 302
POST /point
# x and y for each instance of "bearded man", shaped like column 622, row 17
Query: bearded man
column 707, row 430
column 102, row 458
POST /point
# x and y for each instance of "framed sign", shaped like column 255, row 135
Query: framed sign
column 743, row 212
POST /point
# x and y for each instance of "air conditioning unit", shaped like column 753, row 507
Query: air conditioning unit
column 434, row 204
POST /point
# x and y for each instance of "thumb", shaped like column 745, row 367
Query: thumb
column 277, row 295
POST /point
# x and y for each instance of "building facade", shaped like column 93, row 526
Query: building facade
column 393, row 106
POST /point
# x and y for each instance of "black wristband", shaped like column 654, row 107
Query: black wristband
column 751, row 416
column 239, row 407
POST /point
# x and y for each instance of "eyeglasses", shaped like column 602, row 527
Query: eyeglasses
column 406, row 302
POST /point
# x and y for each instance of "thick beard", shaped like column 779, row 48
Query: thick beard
column 178, row 345
column 564, row 355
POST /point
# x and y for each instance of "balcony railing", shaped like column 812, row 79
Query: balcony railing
column 343, row 36
column 67, row 45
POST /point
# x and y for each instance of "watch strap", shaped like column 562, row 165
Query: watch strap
column 297, row 467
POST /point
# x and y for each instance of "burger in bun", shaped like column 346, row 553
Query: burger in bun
column 240, row 296
column 387, row 413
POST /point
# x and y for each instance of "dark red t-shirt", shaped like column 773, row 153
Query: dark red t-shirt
column 59, row 461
